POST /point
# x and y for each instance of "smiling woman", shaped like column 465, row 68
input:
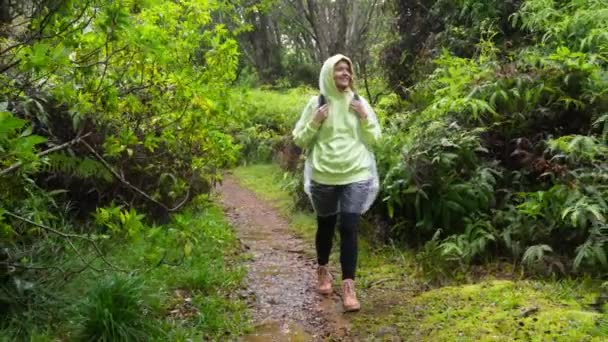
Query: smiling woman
column 340, row 170
column 342, row 75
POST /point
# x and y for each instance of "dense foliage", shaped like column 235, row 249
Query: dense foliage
column 115, row 114
column 504, row 152
column 112, row 114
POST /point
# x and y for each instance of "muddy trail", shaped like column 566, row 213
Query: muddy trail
column 281, row 276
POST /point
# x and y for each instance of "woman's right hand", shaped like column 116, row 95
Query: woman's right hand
column 321, row 114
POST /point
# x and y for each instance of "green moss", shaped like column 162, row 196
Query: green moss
column 500, row 310
column 395, row 303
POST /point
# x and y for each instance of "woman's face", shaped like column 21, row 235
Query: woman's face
column 342, row 75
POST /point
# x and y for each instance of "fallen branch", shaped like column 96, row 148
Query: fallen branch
column 68, row 237
column 45, row 152
column 380, row 281
column 133, row 187
column 37, row 268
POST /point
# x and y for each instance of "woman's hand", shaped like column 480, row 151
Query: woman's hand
column 321, row 114
column 359, row 108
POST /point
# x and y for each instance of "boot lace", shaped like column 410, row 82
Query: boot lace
column 349, row 288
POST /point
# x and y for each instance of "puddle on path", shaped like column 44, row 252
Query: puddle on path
column 281, row 276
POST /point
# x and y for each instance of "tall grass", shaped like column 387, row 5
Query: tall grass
column 115, row 310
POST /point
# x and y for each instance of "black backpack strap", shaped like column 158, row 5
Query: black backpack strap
column 322, row 99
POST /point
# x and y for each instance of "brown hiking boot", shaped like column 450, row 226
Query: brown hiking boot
column 324, row 286
column 349, row 296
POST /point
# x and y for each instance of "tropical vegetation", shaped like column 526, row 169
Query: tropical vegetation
column 117, row 119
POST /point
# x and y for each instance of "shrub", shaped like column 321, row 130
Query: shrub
column 505, row 146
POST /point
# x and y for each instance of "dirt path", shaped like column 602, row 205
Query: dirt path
column 281, row 274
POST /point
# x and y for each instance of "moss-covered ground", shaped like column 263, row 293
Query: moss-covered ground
column 397, row 302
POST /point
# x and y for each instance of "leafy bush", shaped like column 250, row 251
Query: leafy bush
column 120, row 223
column 503, row 148
column 438, row 179
column 122, row 109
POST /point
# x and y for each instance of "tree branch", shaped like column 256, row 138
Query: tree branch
column 50, row 267
column 133, row 187
column 45, row 152
column 68, row 237
column 44, row 22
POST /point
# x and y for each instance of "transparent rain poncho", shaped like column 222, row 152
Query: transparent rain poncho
column 330, row 92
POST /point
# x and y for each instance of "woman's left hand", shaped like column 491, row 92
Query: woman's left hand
column 359, row 108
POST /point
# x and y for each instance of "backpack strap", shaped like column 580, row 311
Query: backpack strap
column 322, row 100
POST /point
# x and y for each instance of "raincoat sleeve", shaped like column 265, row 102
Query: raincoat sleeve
column 306, row 129
column 370, row 128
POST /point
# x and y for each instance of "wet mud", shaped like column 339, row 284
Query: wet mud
column 281, row 278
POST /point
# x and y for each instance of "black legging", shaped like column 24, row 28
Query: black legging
column 349, row 224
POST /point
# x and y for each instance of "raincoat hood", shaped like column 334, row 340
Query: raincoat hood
column 327, row 85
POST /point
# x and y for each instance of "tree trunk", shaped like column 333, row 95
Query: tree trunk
column 265, row 50
column 5, row 12
column 312, row 31
column 339, row 43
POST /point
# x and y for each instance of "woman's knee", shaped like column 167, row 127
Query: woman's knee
column 350, row 220
column 327, row 222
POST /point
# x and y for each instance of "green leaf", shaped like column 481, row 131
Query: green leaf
column 9, row 123
column 188, row 249
column 26, row 145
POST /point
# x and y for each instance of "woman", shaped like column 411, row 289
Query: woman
column 337, row 130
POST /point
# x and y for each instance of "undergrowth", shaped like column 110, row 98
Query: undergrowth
column 183, row 285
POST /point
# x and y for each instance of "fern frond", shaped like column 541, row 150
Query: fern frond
column 84, row 168
column 536, row 253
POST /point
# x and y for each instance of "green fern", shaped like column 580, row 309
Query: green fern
column 584, row 213
column 581, row 23
column 81, row 167
column 464, row 248
column 579, row 147
column 603, row 120
column 535, row 254
column 591, row 253
column 431, row 261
